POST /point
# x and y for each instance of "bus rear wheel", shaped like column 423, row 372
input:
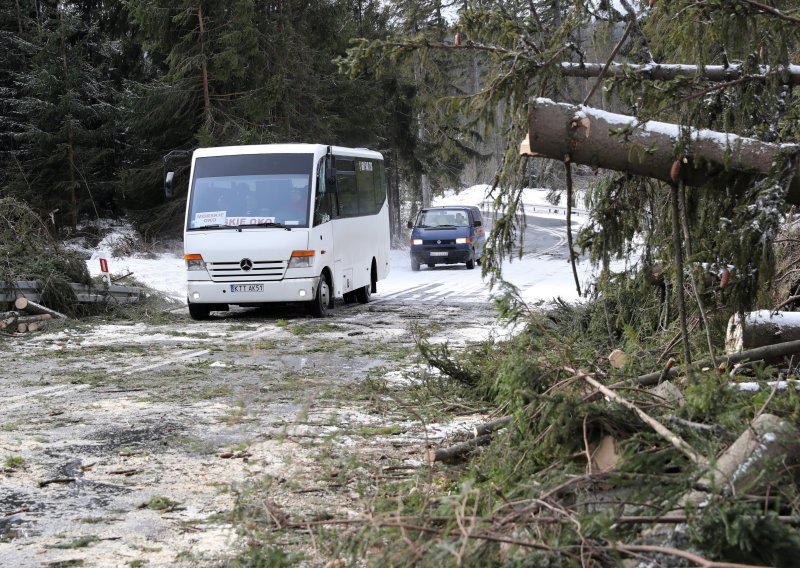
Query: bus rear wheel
column 321, row 302
column 364, row 293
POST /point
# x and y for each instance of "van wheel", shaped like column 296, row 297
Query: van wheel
column 414, row 265
column 471, row 263
column 319, row 305
column 199, row 312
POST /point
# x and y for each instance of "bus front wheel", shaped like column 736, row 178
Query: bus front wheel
column 199, row 312
column 319, row 305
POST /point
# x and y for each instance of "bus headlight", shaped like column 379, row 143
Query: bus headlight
column 302, row 259
column 463, row 241
column 194, row 262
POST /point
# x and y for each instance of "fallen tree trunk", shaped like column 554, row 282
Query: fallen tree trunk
column 586, row 136
column 29, row 319
column 761, row 328
column 454, row 453
column 37, row 326
column 768, row 442
column 31, row 307
column 10, row 319
column 667, row 72
column 761, row 353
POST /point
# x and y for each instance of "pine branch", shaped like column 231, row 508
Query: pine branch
column 772, row 11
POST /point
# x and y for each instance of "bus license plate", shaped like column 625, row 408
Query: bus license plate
column 439, row 253
column 247, row 288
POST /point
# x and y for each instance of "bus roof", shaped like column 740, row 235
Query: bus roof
column 317, row 149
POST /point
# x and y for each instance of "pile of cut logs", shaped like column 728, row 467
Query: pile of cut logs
column 27, row 316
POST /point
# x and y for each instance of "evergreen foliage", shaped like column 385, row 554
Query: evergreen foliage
column 29, row 252
column 100, row 98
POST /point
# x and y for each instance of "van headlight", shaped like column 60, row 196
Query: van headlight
column 302, row 259
column 463, row 241
column 416, row 241
column 194, row 262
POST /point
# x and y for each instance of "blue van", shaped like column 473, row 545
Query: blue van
column 447, row 235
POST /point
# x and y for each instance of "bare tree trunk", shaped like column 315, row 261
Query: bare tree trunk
column 73, row 197
column 680, row 296
column 646, row 149
column 204, row 66
column 19, row 18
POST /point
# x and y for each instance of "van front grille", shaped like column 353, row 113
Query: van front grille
column 439, row 242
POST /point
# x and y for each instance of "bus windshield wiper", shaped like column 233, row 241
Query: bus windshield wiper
column 263, row 224
column 217, row 226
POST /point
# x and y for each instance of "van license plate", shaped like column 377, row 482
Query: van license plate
column 247, row 288
column 439, row 253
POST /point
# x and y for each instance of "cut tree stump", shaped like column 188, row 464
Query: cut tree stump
column 761, row 328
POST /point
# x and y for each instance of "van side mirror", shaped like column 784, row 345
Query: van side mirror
column 476, row 223
column 169, row 181
column 411, row 224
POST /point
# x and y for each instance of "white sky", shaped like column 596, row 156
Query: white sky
column 540, row 278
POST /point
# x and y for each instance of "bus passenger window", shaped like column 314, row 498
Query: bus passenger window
column 348, row 194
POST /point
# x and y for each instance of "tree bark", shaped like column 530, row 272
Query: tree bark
column 585, row 134
column 37, row 318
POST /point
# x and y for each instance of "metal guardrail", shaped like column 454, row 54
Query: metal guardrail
column 560, row 210
column 488, row 206
column 31, row 289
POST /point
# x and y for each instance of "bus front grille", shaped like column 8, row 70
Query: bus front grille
column 262, row 270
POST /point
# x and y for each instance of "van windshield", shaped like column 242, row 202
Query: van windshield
column 433, row 218
column 268, row 190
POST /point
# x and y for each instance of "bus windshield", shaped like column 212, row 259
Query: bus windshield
column 257, row 189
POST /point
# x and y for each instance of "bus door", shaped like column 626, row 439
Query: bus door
column 325, row 211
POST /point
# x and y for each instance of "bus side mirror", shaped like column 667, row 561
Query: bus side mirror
column 168, row 185
column 330, row 179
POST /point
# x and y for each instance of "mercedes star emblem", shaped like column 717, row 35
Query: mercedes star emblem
column 246, row 264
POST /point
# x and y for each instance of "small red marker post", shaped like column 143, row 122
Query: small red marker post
column 104, row 270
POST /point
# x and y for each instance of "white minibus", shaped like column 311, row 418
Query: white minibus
column 284, row 223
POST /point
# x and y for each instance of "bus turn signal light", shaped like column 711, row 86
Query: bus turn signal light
column 302, row 259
